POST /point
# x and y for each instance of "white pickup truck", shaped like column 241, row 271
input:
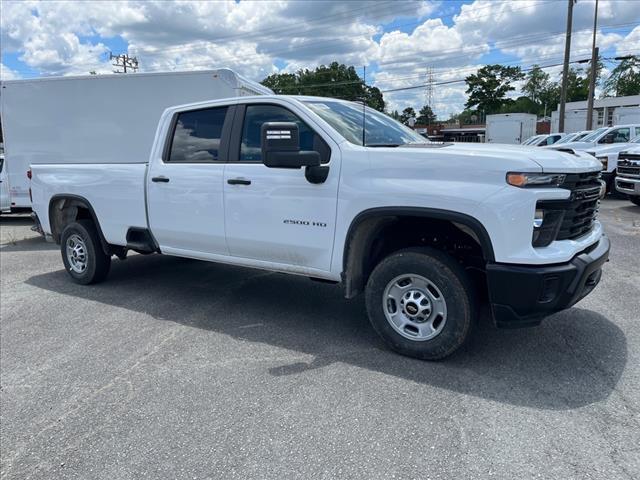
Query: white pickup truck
column 329, row 190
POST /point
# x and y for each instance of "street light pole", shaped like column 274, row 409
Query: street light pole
column 565, row 70
column 594, row 69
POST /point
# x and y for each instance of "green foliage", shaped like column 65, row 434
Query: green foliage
column 577, row 86
column 489, row 86
column 624, row 79
column 426, row 116
column 537, row 81
column 335, row 80
column 406, row 114
column 520, row 105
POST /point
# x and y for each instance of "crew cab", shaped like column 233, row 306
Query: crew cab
column 330, row 190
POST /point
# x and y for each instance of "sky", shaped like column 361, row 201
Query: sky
column 399, row 42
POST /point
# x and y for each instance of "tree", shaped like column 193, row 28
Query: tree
column 335, row 80
column 577, row 86
column 426, row 116
column 488, row 87
column 521, row 105
column 395, row 115
column 537, row 81
column 624, row 79
column 406, row 114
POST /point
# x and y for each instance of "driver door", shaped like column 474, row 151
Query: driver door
column 274, row 214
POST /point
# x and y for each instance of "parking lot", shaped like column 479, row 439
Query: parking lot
column 176, row 368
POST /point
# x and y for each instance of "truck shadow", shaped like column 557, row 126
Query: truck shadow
column 570, row 361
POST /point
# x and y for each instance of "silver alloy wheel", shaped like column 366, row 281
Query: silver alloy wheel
column 77, row 253
column 415, row 307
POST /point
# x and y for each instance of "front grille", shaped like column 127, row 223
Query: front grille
column 629, row 170
column 629, row 156
column 579, row 211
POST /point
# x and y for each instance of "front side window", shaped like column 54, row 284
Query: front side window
column 255, row 116
column 197, row 135
column 621, row 135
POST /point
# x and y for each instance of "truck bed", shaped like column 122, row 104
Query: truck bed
column 115, row 191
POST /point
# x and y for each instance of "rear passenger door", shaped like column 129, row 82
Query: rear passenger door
column 274, row 214
column 185, row 187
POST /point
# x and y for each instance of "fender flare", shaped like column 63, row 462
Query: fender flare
column 352, row 275
column 82, row 202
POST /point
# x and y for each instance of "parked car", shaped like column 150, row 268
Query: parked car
column 543, row 140
column 311, row 186
column 628, row 174
column 572, row 137
column 603, row 136
column 608, row 156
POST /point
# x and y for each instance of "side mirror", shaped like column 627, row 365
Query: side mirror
column 281, row 147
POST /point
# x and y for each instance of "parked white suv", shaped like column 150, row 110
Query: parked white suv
column 323, row 188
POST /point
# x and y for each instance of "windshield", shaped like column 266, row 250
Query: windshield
column 568, row 138
column 593, row 135
column 530, row 140
column 380, row 129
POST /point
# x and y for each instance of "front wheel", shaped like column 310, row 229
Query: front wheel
column 635, row 200
column 82, row 253
column 421, row 302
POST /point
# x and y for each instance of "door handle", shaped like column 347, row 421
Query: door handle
column 161, row 178
column 238, row 181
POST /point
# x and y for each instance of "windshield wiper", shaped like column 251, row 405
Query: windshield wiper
column 382, row 145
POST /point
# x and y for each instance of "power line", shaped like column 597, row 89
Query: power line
column 124, row 61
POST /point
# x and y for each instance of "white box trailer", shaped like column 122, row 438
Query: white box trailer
column 97, row 118
column 510, row 128
column 626, row 115
column 574, row 121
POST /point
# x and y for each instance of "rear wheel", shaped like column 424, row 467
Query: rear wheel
column 82, row 253
column 421, row 302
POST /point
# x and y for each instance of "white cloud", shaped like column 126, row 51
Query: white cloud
column 7, row 74
column 255, row 37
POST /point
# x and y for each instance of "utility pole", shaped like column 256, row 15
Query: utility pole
column 124, row 61
column 429, row 92
column 565, row 68
column 594, row 71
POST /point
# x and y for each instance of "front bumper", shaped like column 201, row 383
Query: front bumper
column 630, row 186
column 522, row 295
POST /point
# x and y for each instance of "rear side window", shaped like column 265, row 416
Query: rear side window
column 256, row 115
column 197, row 135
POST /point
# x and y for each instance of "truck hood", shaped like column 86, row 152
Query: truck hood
column 615, row 148
column 515, row 157
column 573, row 145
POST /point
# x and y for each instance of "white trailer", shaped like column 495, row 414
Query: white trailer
column 511, row 128
column 105, row 118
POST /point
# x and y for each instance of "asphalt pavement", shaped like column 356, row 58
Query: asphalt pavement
column 175, row 368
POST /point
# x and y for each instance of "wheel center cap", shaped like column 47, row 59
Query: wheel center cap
column 411, row 308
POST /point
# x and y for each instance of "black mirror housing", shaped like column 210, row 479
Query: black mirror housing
column 281, row 147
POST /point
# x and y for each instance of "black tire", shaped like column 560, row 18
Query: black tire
column 635, row 200
column 455, row 286
column 97, row 262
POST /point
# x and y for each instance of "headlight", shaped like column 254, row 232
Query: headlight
column 535, row 179
column 605, row 161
